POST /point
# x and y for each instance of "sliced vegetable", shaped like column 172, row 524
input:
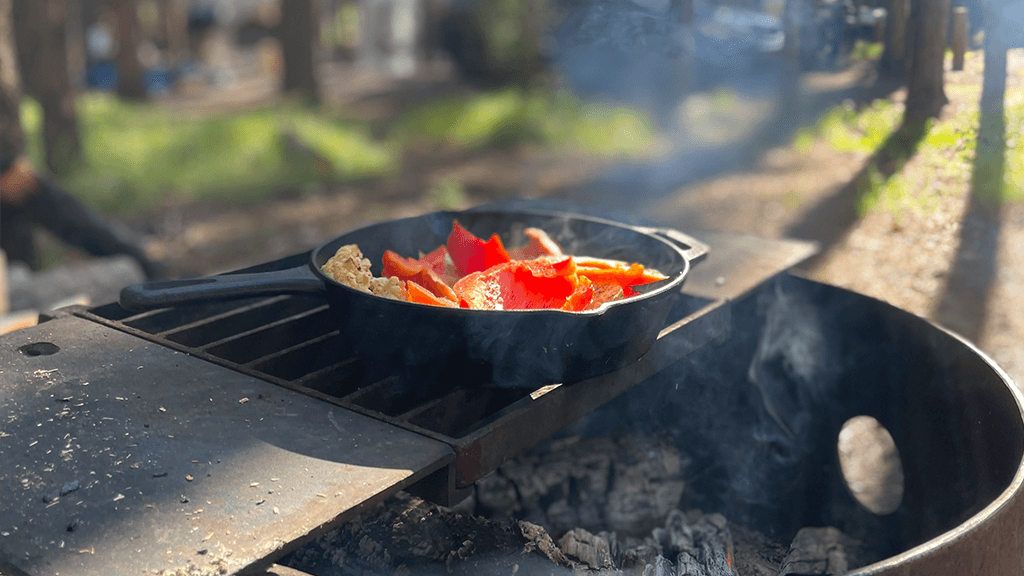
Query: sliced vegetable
column 471, row 254
column 582, row 297
column 620, row 273
column 435, row 260
column 411, row 270
column 470, row 273
column 540, row 244
column 421, row 295
column 519, row 285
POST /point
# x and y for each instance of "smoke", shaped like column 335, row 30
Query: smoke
column 710, row 75
column 755, row 412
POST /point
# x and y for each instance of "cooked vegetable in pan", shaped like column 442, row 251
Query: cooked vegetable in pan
column 469, row 272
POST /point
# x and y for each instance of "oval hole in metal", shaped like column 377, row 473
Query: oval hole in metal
column 871, row 464
column 39, row 349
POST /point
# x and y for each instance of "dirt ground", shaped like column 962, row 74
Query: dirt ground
column 949, row 263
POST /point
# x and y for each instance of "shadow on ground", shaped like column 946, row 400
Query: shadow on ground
column 835, row 216
column 626, row 189
column 964, row 300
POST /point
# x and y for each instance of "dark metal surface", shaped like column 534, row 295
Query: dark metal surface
column 963, row 439
column 510, row 348
column 120, row 456
column 292, row 341
column 740, row 263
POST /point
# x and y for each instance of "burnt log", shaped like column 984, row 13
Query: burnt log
column 406, row 534
column 611, row 485
column 590, row 549
column 821, row 552
column 51, row 207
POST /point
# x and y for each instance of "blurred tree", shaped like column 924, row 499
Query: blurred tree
column 131, row 84
column 498, row 42
column 42, row 49
column 929, row 27
column 299, row 33
column 12, row 139
column 175, row 23
column 893, row 61
column 28, row 199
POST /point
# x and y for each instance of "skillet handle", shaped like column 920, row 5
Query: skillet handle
column 166, row 293
column 694, row 250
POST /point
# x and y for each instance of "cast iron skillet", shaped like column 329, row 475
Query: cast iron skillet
column 507, row 348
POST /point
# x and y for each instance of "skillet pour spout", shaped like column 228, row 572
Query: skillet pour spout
column 454, row 346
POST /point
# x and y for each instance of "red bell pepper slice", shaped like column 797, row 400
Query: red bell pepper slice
column 539, row 244
column 471, row 254
column 601, row 271
column 520, row 285
column 408, row 270
column 421, row 295
column 435, row 260
column 582, row 297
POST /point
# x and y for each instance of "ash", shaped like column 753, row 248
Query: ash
column 573, row 505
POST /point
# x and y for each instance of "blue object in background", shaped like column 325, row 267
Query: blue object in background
column 159, row 81
column 102, row 76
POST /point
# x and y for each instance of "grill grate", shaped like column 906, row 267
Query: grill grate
column 289, row 340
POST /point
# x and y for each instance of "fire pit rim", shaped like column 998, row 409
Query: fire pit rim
column 1000, row 505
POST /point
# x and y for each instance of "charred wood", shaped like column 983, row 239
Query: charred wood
column 407, row 534
column 517, row 511
column 821, row 552
column 627, row 485
column 590, row 549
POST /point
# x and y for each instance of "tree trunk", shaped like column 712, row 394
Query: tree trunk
column 960, row 31
column 176, row 29
column 28, row 200
column 893, row 62
column 299, row 33
column 929, row 26
column 131, row 84
column 12, row 139
column 15, row 230
column 43, row 60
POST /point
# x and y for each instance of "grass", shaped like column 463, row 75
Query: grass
column 514, row 117
column 945, row 157
column 846, row 128
column 136, row 155
column 139, row 155
column 864, row 50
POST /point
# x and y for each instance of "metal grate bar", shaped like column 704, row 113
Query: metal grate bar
column 248, row 347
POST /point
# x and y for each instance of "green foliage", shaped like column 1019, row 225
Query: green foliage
column 847, row 129
column 137, row 153
column 512, row 117
column 31, row 116
column 864, row 50
column 948, row 153
column 343, row 29
column 448, row 194
column 1013, row 190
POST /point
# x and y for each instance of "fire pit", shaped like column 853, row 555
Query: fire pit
column 217, row 438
